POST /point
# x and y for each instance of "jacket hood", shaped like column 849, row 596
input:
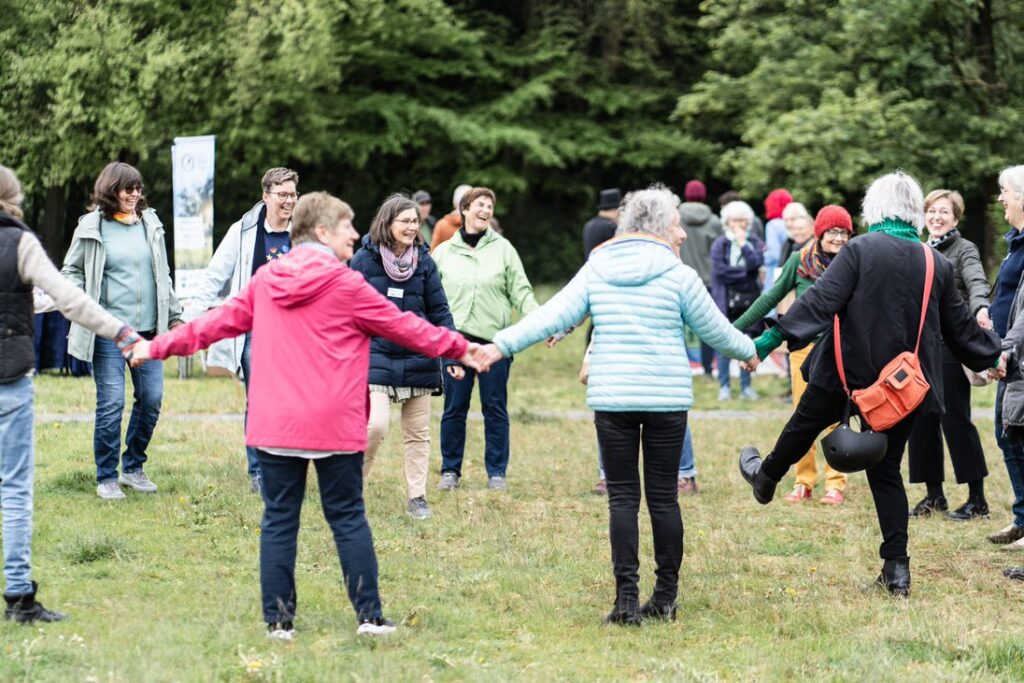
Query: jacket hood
column 303, row 276
column 694, row 214
column 632, row 259
column 7, row 220
column 252, row 217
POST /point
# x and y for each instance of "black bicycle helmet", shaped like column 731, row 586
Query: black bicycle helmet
column 849, row 451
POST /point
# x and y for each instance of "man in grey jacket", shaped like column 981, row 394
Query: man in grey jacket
column 702, row 229
column 260, row 236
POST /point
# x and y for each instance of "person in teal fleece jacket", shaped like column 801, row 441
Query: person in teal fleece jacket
column 640, row 296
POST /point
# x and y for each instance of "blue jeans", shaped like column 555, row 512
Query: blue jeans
column 17, row 469
column 723, row 372
column 1014, row 459
column 250, row 452
column 493, row 402
column 340, row 479
column 687, row 468
column 148, row 390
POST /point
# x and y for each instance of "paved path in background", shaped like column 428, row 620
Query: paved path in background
column 573, row 415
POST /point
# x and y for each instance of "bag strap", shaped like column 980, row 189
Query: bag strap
column 929, row 273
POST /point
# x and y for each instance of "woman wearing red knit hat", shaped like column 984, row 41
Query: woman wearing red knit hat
column 833, row 228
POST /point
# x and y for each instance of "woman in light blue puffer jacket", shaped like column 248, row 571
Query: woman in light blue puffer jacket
column 639, row 296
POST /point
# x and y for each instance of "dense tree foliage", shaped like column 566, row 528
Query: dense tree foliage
column 544, row 101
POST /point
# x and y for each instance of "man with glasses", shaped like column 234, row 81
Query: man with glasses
column 263, row 234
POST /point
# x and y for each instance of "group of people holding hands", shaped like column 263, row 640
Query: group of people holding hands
column 360, row 331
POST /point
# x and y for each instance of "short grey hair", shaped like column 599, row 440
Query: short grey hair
column 797, row 208
column 457, row 195
column 895, row 195
column 737, row 209
column 1013, row 177
column 651, row 211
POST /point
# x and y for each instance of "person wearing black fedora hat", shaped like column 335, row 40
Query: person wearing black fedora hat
column 601, row 227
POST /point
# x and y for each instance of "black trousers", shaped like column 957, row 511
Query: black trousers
column 925, row 447
column 819, row 408
column 620, row 436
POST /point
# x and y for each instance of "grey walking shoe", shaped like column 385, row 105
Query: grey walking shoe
column 138, row 481
column 418, row 508
column 497, row 483
column 256, row 484
column 110, row 490
column 449, row 482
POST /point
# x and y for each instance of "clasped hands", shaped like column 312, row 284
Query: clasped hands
column 480, row 357
column 999, row 372
column 750, row 365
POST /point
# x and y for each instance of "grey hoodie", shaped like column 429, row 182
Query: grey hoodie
column 702, row 228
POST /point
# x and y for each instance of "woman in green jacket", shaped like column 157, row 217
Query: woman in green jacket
column 484, row 280
column 833, row 228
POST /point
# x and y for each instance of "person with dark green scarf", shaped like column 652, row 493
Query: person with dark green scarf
column 874, row 285
column 833, row 228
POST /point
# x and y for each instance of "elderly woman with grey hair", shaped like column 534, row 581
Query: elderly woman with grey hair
column 639, row 296
column 736, row 259
column 874, row 285
column 1007, row 302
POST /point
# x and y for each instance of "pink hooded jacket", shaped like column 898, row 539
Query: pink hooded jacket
column 312, row 319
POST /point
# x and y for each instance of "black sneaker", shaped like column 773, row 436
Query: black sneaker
column 929, row 506
column 280, row 630
column 375, row 627
column 24, row 609
column 968, row 511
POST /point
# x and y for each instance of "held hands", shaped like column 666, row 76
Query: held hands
column 476, row 357
column 983, row 320
column 139, row 353
column 750, row 365
column 456, row 371
column 126, row 340
column 999, row 371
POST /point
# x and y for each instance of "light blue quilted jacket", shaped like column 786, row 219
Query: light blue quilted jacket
column 639, row 296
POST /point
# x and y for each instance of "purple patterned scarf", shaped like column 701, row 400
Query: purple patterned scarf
column 400, row 268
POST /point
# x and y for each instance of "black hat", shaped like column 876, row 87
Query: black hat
column 609, row 199
column 421, row 197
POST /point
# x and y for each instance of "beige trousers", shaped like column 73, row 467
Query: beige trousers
column 415, row 433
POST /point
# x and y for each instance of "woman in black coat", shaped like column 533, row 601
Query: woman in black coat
column 396, row 262
column 942, row 212
column 874, row 285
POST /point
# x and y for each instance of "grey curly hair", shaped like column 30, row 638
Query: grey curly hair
column 894, row 195
column 652, row 211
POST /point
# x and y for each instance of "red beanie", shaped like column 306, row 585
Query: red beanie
column 832, row 216
column 775, row 202
column 695, row 191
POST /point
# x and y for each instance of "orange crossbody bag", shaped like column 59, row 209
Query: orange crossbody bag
column 901, row 385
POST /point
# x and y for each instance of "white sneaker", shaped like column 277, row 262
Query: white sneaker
column 725, row 394
column 376, row 627
column 110, row 490
column 283, row 631
column 138, row 481
column 1016, row 545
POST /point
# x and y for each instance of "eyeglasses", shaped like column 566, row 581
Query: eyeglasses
column 133, row 190
column 407, row 221
column 837, row 234
column 285, row 196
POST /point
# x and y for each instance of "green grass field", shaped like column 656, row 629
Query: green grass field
column 495, row 586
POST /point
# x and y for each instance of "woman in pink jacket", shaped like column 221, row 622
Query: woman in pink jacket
column 311, row 319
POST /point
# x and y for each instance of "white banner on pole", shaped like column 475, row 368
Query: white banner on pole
column 193, row 159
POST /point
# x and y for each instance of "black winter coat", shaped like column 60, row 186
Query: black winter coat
column 968, row 271
column 390, row 364
column 875, row 284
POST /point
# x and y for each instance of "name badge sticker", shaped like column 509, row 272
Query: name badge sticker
column 395, row 293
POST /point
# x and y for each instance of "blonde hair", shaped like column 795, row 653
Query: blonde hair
column 10, row 193
column 317, row 208
column 954, row 198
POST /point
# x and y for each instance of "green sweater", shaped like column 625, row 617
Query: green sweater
column 786, row 281
column 484, row 284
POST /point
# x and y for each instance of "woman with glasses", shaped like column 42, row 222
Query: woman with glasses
column 484, row 280
column 396, row 261
column 833, row 228
column 119, row 258
column 942, row 212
